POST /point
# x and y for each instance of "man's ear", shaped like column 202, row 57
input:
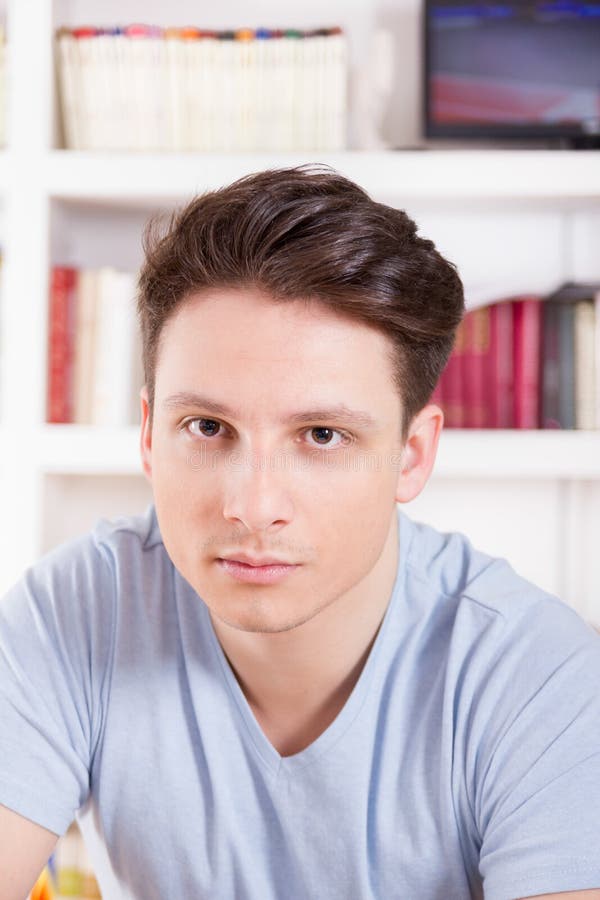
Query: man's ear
column 146, row 435
column 419, row 452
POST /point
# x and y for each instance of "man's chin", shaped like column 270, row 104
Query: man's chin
column 259, row 618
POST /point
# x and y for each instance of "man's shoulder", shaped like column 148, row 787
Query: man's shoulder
column 88, row 566
column 114, row 538
column 138, row 531
column 498, row 634
column 451, row 573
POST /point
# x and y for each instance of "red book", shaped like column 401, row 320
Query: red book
column 476, row 349
column 499, row 398
column 61, row 337
column 527, row 322
column 451, row 384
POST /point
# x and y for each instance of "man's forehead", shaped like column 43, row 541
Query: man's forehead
column 223, row 313
column 258, row 368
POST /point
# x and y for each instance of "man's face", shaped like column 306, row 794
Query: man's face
column 318, row 492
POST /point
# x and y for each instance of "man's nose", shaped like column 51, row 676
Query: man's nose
column 257, row 491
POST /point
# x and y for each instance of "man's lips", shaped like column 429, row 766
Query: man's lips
column 256, row 560
column 269, row 573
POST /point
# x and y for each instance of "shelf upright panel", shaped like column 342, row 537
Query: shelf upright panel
column 25, row 279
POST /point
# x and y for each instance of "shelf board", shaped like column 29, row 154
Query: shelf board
column 541, row 454
column 87, row 450
column 80, row 449
column 152, row 178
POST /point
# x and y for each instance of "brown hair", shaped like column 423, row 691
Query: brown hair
column 309, row 233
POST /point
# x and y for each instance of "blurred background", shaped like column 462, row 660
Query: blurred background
column 481, row 120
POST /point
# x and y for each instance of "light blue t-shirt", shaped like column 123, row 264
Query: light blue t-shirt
column 466, row 761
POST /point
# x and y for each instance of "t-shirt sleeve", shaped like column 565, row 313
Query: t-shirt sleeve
column 537, row 790
column 54, row 646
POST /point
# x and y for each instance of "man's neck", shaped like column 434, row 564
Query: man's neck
column 297, row 681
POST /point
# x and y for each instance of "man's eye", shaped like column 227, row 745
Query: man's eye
column 323, row 436
column 207, row 427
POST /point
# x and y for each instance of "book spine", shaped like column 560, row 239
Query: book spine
column 113, row 348
column 550, row 381
column 476, row 348
column 498, row 375
column 203, row 89
column 84, row 346
column 64, row 65
column 585, row 376
column 526, row 351
column 103, row 348
column 338, row 91
column 174, row 91
column 61, row 328
column 566, row 355
column 86, row 93
column 123, row 369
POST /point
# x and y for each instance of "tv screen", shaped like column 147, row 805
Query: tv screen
column 512, row 69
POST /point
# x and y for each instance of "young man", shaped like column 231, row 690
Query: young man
column 274, row 685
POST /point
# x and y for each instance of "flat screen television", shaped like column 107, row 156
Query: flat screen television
column 526, row 70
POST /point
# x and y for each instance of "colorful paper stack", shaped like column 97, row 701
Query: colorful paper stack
column 69, row 873
column 141, row 87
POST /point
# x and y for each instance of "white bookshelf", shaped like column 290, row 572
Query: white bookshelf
column 506, row 217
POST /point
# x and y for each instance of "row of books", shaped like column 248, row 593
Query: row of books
column 68, row 872
column 94, row 348
column 524, row 362
column 527, row 362
column 146, row 88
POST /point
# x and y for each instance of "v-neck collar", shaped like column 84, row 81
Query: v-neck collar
column 269, row 756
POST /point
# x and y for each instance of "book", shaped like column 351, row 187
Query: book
column 83, row 376
column 499, row 383
column 527, row 323
column 61, row 337
column 113, row 348
column 585, row 374
column 566, row 369
column 474, row 359
column 569, row 379
column 550, row 381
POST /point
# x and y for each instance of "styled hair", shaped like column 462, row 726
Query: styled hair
column 308, row 233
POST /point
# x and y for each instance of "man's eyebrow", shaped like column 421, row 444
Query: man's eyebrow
column 339, row 412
